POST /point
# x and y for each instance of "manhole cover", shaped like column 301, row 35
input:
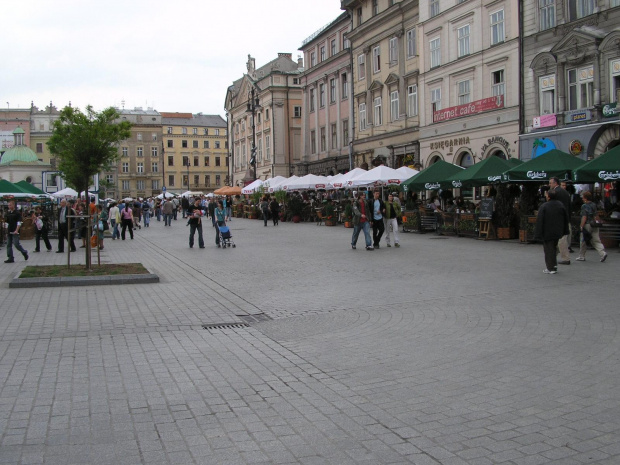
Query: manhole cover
column 220, row 326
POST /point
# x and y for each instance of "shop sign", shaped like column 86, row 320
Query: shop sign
column 457, row 184
column 610, row 110
column 577, row 116
column 494, row 178
column 536, row 174
column 496, row 140
column 449, row 143
column 544, row 121
column 575, row 147
column 393, row 181
column 429, row 186
column 609, row 176
column 478, row 106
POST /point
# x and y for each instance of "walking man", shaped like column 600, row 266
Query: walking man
column 392, row 212
column 361, row 221
column 563, row 196
column 167, row 211
column 378, row 227
column 14, row 222
column 551, row 225
column 195, row 214
column 63, row 227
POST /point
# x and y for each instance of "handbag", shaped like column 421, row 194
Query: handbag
column 39, row 223
column 596, row 223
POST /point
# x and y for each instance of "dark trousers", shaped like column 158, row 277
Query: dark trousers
column 42, row 233
column 126, row 224
column 63, row 234
column 192, row 230
column 551, row 257
column 378, row 227
column 276, row 217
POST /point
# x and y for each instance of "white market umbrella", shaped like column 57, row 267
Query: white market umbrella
column 167, row 195
column 334, row 182
column 409, row 172
column 283, row 185
column 250, row 188
column 191, row 193
column 380, row 176
column 66, row 192
column 270, row 183
column 347, row 178
column 309, row 181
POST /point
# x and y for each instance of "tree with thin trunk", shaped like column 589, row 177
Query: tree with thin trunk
column 86, row 143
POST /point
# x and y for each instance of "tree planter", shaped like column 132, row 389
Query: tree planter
column 296, row 219
column 505, row 233
column 330, row 223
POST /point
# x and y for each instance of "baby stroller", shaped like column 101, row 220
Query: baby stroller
column 226, row 237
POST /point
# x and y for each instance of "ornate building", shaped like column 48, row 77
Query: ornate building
column 263, row 109
column 41, row 125
column 327, row 100
column 385, row 68
column 571, row 77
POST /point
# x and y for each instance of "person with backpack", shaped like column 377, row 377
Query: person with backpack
column 146, row 213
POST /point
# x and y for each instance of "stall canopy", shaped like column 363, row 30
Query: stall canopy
column 25, row 185
column 380, row 176
column 250, row 188
column 67, row 192
column 542, row 168
column 228, row 190
column 486, row 172
column 347, row 179
column 434, row 177
column 309, row 181
column 408, row 172
column 270, row 183
column 276, row 184
column 604, row 168
column 8, row 188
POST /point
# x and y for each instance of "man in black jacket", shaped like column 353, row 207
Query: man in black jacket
column 14, row 222
column 563, row 196
column 195, row 214
column 551, row 225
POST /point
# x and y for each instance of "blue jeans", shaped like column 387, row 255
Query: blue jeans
column 356, row 232
column 116, row 234
column 168, row 220
column 13, row 240
column 147, row 218
column 192, row 231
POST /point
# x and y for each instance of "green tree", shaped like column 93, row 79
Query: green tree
column 86, row 143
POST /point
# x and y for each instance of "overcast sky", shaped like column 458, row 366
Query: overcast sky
column 170, row 55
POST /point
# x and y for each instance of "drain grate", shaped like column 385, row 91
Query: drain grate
column 438, row 237
column 258, row 318
column 221, row 326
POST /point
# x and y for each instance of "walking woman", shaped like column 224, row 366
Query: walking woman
column 42, row 228
column 126, row 221
column 274, row 206
column 219, row 216
column 588, row 213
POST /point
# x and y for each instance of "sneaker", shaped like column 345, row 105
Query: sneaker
column 602, row 259
column 377, row 246
column 26, row 256
column 397, row 245
column 9, row 261
column 567, row 262
column 580, row 259
column 570, row 250
column 546, row 271
column 370, row 248
column 389, row 245
column 353, row 247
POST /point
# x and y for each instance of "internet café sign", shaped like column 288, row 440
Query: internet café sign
column 472, row 108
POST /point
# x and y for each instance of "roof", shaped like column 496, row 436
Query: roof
column 198, row 120
column 19, row 155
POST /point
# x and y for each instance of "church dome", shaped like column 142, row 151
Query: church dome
column 19, row 153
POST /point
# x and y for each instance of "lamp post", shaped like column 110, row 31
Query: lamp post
column 188, row 173
column 253, row 105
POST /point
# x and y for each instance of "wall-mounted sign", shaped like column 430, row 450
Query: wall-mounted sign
column 542, row 145
column 575, row 147
column 544, row 121
column 496, row 140
column 610, row 110
column 577, row 116
column 449, row 143
column 478, row 106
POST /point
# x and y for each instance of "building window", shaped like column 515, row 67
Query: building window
column 362, row 112
column 184, row 131
column 169, row 131
column 155, row 167
column 196, row 161
column 580, row 88
column 393, row 51
column 334, row 136
column 311, row 97
column 259, row 150
column 463, row 38
column 154, row 152
column 206, row 161
column 205, row 144
column 412, row 100
column 125, row 151
column 411, row 43
column 614, row 3
column 125, row 167
column 207, row 180
column 185, row 180
column 140, row 167
column 359, row 16
column 195, row 131
column 139, row 151
column 109, row 178
column 434, row 8
column 321, row 95
column 140, row 184
column 217, row 144
column 267, row 147
column 139, row 136
column 184, row 144
column 170, row 143
column 195, row 144
column 266, row 114
column 615, row 81
column 435, row 45
column 345, row 85
column 580, row 8
column 332, row 90
column 39, row 147
column 313, row 141
column 375, row 7
column 333, row 47
column 171, row 180
column 378, row 115
column 322, row 50
column 155, row 184
column 217, row 180
column 217, row 132
column 394, row 105
column 126, row 186
column 323, row 141
column 497, row 27
column 297, row 111
column 154, row 136
column 185, row 161
column 376, row 59
column 497, row 79
column 547, row 14
column 312, row 59
column 196, row 180
column 546, row 85
column 345, row 132
column 464, row 92
column 361, row 66
column 170, row 160
column 436, row 99
column 206, row 131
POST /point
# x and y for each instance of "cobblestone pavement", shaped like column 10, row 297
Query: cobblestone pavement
column 294, row 349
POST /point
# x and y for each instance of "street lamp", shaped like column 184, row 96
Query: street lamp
column 253, row 105
column 188, row 173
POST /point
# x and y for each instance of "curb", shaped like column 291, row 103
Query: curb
column 84, row 281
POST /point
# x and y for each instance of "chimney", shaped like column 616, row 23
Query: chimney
column 300, row 61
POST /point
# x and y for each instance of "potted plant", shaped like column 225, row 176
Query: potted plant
column 528, row 203
column 505, row 213
column 330, row 215
column 348, row 215
column 280, row 197
column 295, row 208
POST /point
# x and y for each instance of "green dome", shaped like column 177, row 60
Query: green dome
column 19, row 153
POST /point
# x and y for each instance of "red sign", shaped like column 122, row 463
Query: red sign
column 544, row 121
column 486, row 104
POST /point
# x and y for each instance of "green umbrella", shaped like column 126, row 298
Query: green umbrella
column 26, row 186
column 542, row 168
column 604, row 168
column 434, row 177
column 484, row 173
column 7, row 187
